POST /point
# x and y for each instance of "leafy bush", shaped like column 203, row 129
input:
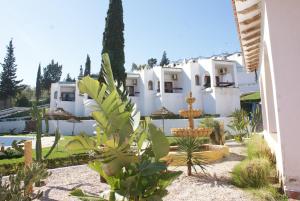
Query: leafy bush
column 240, row 124
column 129, row 150
column 217, row 135
column 269, row 193
column 23, row 101
column 252, row 173
column 18, row 187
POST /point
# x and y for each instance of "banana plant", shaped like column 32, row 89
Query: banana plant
column 129, row 150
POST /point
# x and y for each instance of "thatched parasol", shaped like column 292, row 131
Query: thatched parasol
column 59, row 113
column 73, row 120
column 163, row 112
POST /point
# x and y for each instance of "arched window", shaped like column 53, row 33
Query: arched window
column 197, row 80
column 55, row 95
column 150, row 85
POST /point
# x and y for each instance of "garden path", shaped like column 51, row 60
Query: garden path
column 213, row 187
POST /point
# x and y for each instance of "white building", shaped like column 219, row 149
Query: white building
column 214, row 83
column 269, row 32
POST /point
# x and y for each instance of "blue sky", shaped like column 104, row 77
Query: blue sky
column 68, row 30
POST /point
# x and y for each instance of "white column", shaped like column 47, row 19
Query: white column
column 213, row 75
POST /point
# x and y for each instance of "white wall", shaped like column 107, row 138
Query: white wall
column 281, row 41
column 87, row 126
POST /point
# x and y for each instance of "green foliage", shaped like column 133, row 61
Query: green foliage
column 269, row 193
column 164, row 60
column 18, row 146
column 9, row 85
column 113, row 41
column 258, row 148
column 87, row 69
column 252, row 173
column 56, row 140
column 10, row 153
column 152, row 62
column 38, row 85
column 256, row 119
column 217, row 136
column 240, row 124
column 52, row 74
column 129, row 151
column 22, row 101
column 17, row 188
column 69, row 79
column 189, row 145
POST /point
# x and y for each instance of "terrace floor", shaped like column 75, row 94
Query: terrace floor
column 214, row 186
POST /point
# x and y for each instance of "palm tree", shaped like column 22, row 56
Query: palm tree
column 189, row 145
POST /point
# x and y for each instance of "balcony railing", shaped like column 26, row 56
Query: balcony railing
column 225, row 84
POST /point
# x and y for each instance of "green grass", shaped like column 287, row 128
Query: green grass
column 268, row 193
column 59, row 152
column 251, row 97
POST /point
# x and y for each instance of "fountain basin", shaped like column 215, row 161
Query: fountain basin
column 211, row 153
column 188, row 132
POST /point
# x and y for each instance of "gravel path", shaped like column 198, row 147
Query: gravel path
column 214, row 186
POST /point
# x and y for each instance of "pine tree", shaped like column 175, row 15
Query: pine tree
column 113, row 40
column 69, row 79
column 38, row 87
column 87, row 69
column 9, row 85
column 164, row 60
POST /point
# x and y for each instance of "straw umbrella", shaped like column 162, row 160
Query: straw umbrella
column 73, row 120
column 59, row 113
column 163, row 112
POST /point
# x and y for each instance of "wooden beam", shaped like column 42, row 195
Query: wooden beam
column 252, row 57
column 251, row 29
column 252, row 48
column 251, row 20
column 255, row 42
column 252, row 53
column 249, row 9
column 252, row 36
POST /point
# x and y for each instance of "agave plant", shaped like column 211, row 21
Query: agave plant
column 189, row 145
column 129, row 151
column 256, row 119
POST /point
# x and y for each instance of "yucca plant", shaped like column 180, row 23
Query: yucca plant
column 256, row 119
column 189, row 145
column 129, row 151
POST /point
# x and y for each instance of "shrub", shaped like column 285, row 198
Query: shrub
column 252, row 173
column 258, row 148
column 217, row 135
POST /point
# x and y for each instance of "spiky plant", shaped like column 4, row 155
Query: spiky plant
column 216, row 137
column 189, row 145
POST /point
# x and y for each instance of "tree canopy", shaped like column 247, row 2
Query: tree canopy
column 164, row 60
column 38, row 85
column 52, row 74
column 87, row 69
column 152, row 62
column 9, row 85
column 113, row 41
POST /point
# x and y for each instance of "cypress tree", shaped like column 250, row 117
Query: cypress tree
column 38, row 87
column 9, row 85
column 164, row 59
column 80, row 71
column 113, row 40
column 87, row 69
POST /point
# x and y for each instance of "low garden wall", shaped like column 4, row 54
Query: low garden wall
column 87, row 126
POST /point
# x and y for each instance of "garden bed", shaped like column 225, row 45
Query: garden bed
column 210, row 153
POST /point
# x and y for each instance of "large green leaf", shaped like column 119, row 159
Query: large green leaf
column 168, row 177
column 160, row 143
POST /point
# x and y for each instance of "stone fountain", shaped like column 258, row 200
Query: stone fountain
column 191, row 113
column 210, row 152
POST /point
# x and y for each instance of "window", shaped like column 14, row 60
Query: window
column 130, row 90
column 197, row 80
column 55, row 95
column 68, row 96
column 150, row 85
column 207, row 81
column 168, row 87
column 158, row 86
